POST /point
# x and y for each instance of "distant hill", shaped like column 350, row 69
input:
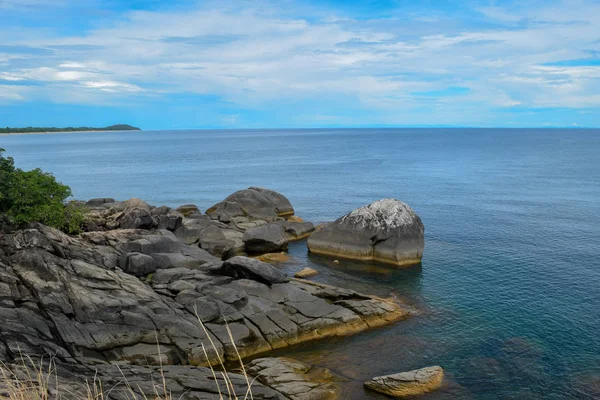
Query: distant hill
column 31, row 129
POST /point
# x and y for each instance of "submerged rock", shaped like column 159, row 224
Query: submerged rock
column 274, row 257
column 386, row 231
column 306, row 273
column 406, row 384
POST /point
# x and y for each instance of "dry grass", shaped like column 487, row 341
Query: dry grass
column 31, row 379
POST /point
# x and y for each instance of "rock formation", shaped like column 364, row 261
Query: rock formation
column 253, row 202
column 296, row 380
column 142, row 276
column 386, row 231
column 306, row 273
column 406, row 384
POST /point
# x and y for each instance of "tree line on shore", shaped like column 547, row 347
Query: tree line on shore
column 32, row 129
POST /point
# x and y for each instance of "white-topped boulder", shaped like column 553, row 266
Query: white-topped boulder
column 386, row 231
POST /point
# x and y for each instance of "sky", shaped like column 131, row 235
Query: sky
column 189, row 64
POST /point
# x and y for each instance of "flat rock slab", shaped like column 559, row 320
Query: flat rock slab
column 296, row 380
column 249, row 268
column 128, row 382
column 406, row 384
column 73, row 297
column 306, row 273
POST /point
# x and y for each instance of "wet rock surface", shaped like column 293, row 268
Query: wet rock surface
column 407, row 384
column 386, row 231
column 295, row 380
column 306, row 273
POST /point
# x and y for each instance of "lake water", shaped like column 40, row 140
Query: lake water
column 509, row 287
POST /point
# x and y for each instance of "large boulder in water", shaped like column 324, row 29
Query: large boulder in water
column 387, row 231
column 254, row 201
column 408, row 384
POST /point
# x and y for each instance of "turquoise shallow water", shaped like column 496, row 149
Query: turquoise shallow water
column 509, row 287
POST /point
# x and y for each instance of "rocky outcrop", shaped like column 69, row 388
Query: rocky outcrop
column 108, row 214
column 296, row 380
column 142, row 275
column 127, row 382
column 92, row 300
column 249, row 221
column 386, row 231
column 407, row 384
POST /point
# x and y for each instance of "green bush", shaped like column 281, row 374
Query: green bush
column 35, row 196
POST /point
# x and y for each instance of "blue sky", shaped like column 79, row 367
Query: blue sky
column 266, row 64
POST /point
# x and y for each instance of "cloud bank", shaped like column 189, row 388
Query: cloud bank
column 467, row 65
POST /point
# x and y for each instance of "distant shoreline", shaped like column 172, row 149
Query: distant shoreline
column 36, row 130
column 53, row 132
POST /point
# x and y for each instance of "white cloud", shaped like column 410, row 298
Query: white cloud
column 250, row 54
column 9, row 93
column 110, row 86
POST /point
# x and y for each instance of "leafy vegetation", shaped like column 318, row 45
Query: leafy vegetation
column 30, row 129
column 35, row 196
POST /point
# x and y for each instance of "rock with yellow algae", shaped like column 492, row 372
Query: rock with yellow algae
column 411, row 383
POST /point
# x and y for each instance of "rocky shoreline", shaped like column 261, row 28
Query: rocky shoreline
column 141, row 276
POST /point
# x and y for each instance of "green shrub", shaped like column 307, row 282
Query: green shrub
column 35, row 196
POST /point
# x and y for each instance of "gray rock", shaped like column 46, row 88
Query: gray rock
column 213, row 240
column 99, row 202
column 385, row 231
column 265, row 239
column 137, row 264
column 282, row 205
column 180, row 286
column 226, row 211
column 254, row 201
column 136, row 203
column 407, row 384
column 248, row 268
column 190, row 229
column 297, row 230
column 296, row 380
column 67, row 296
column 170, row 222
column 306, row 273
column 167, row 218
column 137, row 218
column 187, row 209
column 144, row 379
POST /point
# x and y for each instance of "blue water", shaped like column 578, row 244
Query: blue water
column 509, row 287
